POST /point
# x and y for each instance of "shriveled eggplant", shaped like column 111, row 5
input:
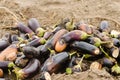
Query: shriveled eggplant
column 50, row 44
column 68, row 37
column 53, row 63
column 29, row 71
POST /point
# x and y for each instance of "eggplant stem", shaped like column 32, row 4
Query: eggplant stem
column 52, row 52
column 106, row 42
column 106, row 54
column 80, row 63
column 71, row 54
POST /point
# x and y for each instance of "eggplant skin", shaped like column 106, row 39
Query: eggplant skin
column 53, row 63
column 86, row 47
column 30, row 70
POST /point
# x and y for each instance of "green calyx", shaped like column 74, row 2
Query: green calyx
column 40, row 32
column 70, row 25
column 42, row 41
column 68, row 70
column 115, row 69
column 84, row 35
column 97, row 42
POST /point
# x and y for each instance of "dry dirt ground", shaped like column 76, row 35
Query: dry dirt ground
column 49, row 12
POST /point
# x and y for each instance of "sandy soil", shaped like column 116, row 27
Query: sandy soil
column 49, row 12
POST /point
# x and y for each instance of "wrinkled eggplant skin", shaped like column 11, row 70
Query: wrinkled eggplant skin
column 32, row 68
column 53, row 63
column 21, row 61
column 51, row 43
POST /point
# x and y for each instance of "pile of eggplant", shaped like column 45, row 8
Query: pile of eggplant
column 34, row 50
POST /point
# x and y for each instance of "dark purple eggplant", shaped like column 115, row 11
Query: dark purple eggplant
column 5, row 65
column 21, row 61
column 116, row 42
column 109, row 62
column 3, row 44
column 21, row 27
column 29, row 71
column 47, row 35
column 33, row 24
column 85, row 47
column 50, row 44
column 53, row 63
column 36, row 42
column 31, row 52
column 68, row 37
column 104, row 26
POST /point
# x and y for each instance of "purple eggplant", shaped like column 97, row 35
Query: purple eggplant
column 36, row 42
column 33, row 24
column 31, row 52
column 50, row 44
column 85, row 47
column 53, row 63
column 29, row 71
column 104, row 25
column 24, row 28
column 47, row 35
column 116, row 42
column 68, row 37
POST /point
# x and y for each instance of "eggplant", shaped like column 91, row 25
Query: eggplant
column 116, row 42
column 85, row 27
column 85, row 47
column 114, row 51
column 62, row 43
column 50, row 44
column 30, row 52
column 108, row 62
column 36, row 42
column 5, row 65
column 21, row 27
column 3, row 44
column 53, row 63
column 29, row 71
column 47, row 35
column 95, row 65
column 104, row 26
column 33, row 24
column 10, row 53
